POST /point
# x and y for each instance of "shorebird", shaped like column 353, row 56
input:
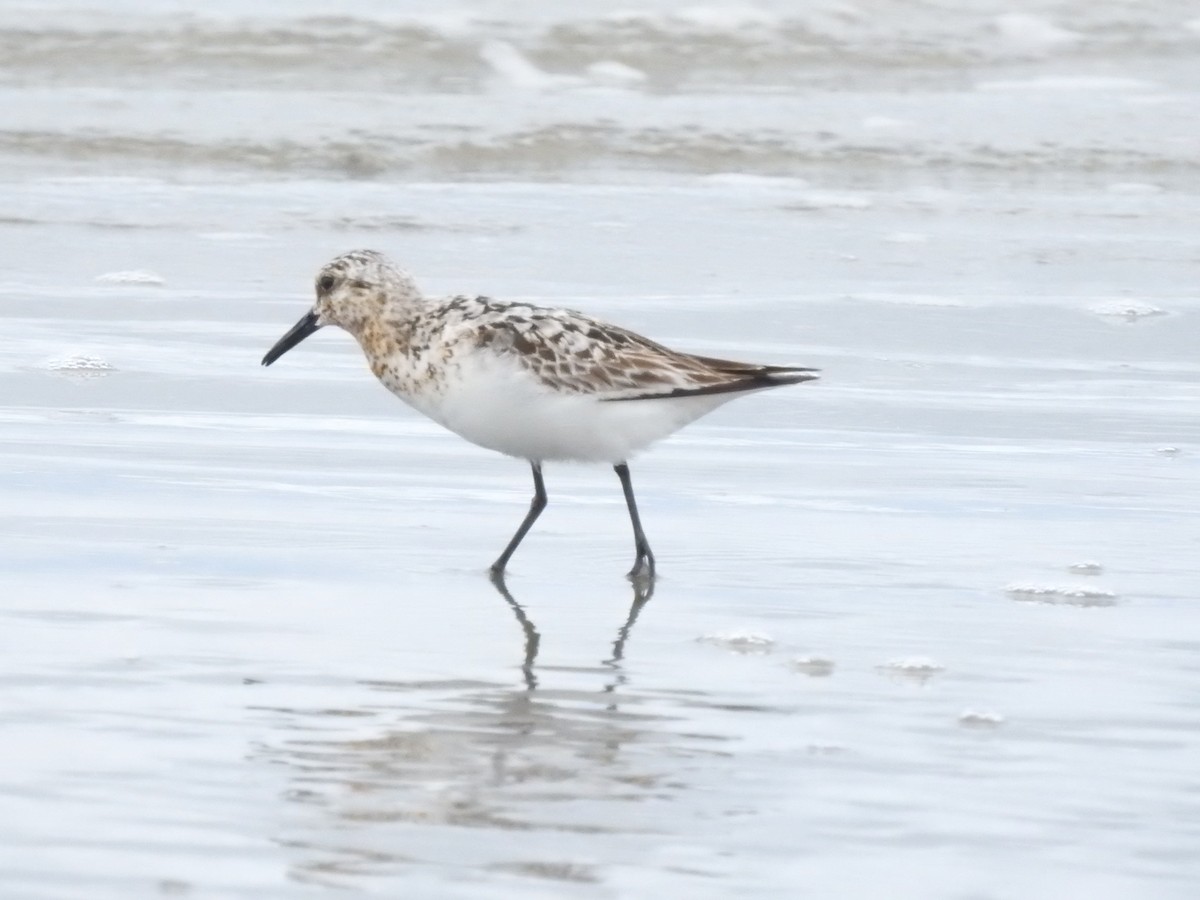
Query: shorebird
column 536, row 383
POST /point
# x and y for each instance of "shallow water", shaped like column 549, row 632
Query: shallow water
column 925, row 628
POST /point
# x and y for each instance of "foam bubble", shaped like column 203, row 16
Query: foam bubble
column 936, row 300
column 80, row 366
column 1064, row 596
column 818, row 200
column 1086, row 568
column 812, row 666
column 739, row 641
column 134, row 276
column 826, row 749
column 1130, row 310
column 914, row 668
column 982, row 719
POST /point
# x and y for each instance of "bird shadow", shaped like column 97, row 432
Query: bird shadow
column 643, row 591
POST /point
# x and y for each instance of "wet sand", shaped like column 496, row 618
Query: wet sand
column 252, row 647
column 926, row 627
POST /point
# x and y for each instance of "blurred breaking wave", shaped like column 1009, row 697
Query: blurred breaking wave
column 546, row 91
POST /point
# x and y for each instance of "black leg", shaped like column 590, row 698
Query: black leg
column 535, row 510
column 643, row 566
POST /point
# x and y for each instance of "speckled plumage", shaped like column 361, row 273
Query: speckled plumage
column 532, row 382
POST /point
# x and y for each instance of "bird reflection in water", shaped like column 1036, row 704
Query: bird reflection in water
column 643, row 590
column 369, row 777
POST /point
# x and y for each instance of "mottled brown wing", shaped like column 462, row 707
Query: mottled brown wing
column 574, row 353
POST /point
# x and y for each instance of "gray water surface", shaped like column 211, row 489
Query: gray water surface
column 924, row 629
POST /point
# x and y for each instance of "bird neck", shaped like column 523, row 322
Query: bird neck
column 392, row 330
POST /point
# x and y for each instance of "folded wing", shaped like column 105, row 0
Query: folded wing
column 573, row 353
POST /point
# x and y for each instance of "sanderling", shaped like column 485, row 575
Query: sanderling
column 532, row 382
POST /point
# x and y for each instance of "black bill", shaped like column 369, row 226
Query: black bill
column 298, row 332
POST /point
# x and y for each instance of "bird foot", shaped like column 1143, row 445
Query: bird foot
column 642, row 571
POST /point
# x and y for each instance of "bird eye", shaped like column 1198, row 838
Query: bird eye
column 325, row 284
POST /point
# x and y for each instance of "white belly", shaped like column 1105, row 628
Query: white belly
column 495, row 404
